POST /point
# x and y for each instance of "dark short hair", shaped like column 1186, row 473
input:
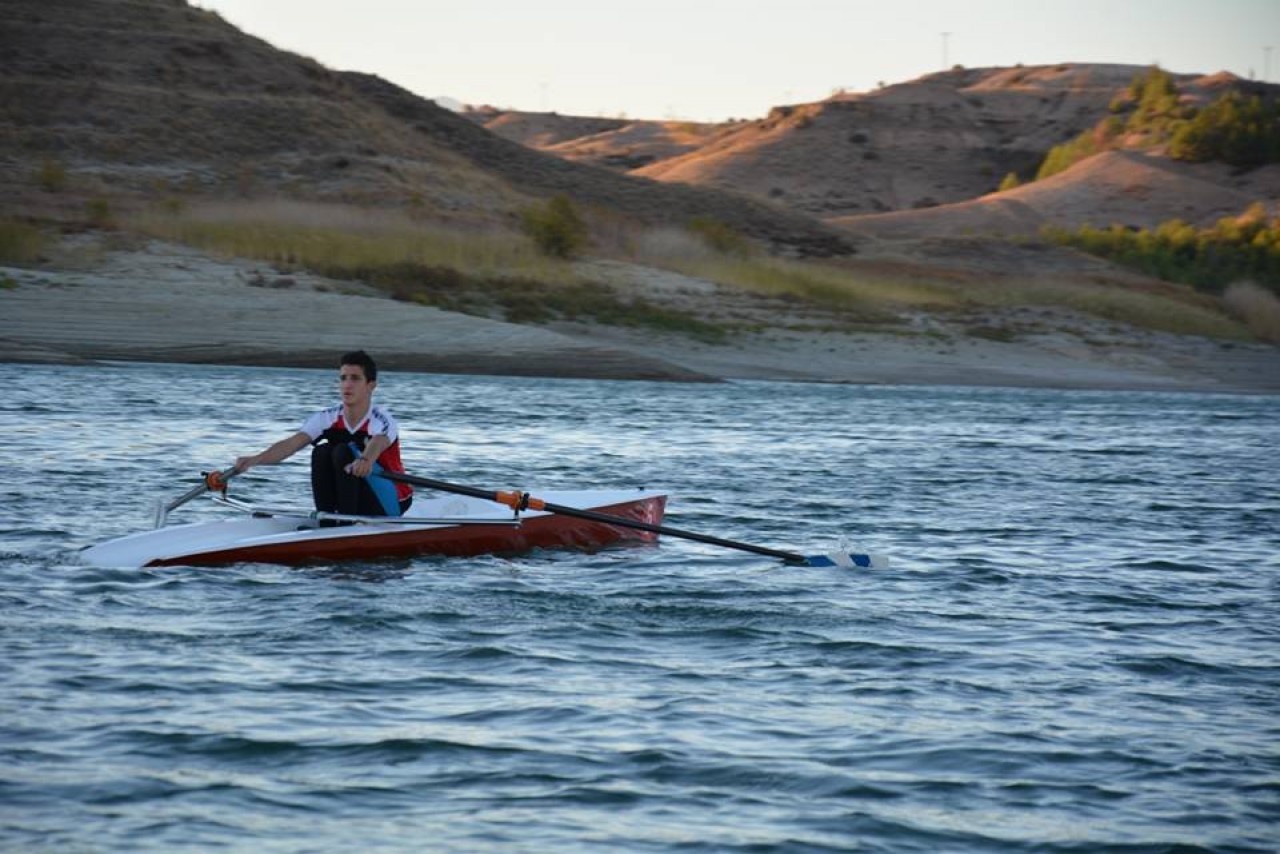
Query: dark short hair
column 364, row 360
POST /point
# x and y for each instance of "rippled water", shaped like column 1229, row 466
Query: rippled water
column 1074, row 650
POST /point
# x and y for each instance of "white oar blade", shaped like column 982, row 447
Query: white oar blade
column 849, row 560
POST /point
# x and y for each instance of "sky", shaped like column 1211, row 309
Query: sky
column 712, row 60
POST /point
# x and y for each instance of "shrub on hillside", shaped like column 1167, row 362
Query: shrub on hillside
column 1258, row 308
column 1010, row 182
column 97, row 211
column 52, row 176
column 1093, row 141
column 555, row 227
column 1158, row 104
column 718, row 236
column 1234, row 248
column 20, row 243
column 1244, row 132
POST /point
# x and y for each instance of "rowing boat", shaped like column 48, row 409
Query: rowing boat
column 455, row 526
column 472, row 522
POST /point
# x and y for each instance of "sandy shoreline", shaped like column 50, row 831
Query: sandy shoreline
column 168, row 303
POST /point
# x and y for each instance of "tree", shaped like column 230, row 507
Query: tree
column 555, row 227
column 1244, row 132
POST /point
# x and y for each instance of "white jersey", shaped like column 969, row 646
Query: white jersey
column 378, row 422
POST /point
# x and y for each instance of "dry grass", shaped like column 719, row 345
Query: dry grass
column 333, row 238
column 465, row 270
column 825, row 285
column 884, row 297
column 1173, row 309
column 871, row 298
column 20, row 242
column 487, row 273
column 1257, row 307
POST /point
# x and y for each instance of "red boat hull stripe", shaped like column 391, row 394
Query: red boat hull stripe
column 550, row 531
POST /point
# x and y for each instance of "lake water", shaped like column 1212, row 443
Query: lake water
column 1076, row 648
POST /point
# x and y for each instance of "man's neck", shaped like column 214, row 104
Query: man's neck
column 355, row 413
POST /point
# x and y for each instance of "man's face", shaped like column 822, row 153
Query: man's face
column 355, row 389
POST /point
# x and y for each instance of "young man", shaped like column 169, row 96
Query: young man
column 348, row 439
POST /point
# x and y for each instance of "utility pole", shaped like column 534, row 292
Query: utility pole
column 945, row 37
column 1266, row 65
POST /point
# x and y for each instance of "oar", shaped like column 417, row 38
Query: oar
column 214, row 481
column 522, row 500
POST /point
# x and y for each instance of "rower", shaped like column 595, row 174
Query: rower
column 349, row 441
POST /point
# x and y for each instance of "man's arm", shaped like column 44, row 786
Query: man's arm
column 281, row 450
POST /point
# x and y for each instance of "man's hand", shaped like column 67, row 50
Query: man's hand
column 360, row 467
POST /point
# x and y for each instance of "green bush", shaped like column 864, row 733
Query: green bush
column 719, row 236
column 1010, row 182
column 555, row 227
column 1062, row 157
column 1234, row 248
column 1158, row 105
column 20, row 243
column 52, row 176
column 98, row 212
column 1093, row 141
column 1244, row 132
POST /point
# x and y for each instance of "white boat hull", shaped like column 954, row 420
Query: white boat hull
column 295, row 539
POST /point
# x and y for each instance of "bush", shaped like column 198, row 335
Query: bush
column 98, row 212
column 1010, row 182
column 1244, row 132
column 52, row 176
column 718, row 236
column 1258, row 308
column 1062, row 157
column 20, row 243
column 1241, row 247
column 1241, row 131
column 1157, row 102
column 555, row 227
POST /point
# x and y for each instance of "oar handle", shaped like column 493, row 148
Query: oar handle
column 520, row 500
column 214, row 481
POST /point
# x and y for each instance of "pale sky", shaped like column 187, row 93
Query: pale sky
column 710, row 60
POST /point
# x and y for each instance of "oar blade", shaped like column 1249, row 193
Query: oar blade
column 848, row 560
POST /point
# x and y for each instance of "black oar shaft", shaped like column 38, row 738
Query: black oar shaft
column 603, row 518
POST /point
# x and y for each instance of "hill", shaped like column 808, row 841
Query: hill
column 619, row 144
column 539, row 130
column 943, row 138
column 909, row 160
column 136, row 98
column 153, row 129
column 1129, row 188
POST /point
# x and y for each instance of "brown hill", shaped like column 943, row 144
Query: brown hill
column 619, row 144
column 540, row 130
column 1116, row 187
column 134, row 98
column 941, row 139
